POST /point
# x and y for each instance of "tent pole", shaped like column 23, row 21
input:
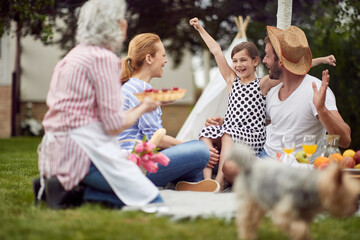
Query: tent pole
column 284, row 14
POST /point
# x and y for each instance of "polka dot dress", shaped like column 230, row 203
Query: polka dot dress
column 245, row 117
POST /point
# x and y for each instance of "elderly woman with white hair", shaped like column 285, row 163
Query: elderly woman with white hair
column 79, row 147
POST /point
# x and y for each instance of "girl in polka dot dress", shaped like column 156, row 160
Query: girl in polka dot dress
column 245, row 117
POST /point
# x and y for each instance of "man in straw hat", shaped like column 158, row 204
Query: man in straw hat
column 301, row 104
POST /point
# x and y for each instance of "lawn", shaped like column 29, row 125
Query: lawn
column 21, row 219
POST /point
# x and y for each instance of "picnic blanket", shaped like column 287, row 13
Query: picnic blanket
column 191, row 205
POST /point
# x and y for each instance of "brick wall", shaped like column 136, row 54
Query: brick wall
column 5, row 111
column 38, row 110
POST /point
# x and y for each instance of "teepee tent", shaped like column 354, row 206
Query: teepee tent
column 213, row 100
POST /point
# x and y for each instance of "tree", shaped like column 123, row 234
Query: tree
column 35, row 18
column 332, row 27
column 66, row 10
column 169, row 19
column 337, row 32
column 30, row 17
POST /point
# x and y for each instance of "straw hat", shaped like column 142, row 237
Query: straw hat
column 292, row 48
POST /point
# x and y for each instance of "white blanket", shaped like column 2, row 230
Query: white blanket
column 191, row 205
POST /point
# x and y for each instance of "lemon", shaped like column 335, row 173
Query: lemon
column 349, row 153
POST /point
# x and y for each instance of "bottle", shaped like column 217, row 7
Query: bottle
column 330, row 145
column 334, row 144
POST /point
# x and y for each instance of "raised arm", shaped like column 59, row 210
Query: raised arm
column 324, row 60
column 331, row 120
column 226, row 71
column 266, row 83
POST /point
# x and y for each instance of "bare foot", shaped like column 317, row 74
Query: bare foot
column 221, row 182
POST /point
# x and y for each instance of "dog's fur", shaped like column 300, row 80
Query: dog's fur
column 293, row 195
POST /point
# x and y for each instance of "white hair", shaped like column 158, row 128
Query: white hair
column 98, row 23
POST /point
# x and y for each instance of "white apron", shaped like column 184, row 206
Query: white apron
column 124, row 177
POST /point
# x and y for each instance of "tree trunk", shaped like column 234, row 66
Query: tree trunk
column 15, row 110
column 284, row 14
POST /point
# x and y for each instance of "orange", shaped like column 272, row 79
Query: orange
column 336, row 156
column 320, row 161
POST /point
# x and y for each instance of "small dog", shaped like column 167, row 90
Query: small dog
column 294, row 196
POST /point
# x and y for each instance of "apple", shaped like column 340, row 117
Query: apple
column 357, row 157
column 301, row 157
column 349, row 153
column 357, row 166
column 348, row 162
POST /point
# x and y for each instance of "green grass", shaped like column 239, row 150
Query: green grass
column 20, row 219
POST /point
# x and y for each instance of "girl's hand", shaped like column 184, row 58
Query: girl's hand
column 211, row 121
column 195, row 23
column 265, row 78
column 214, row 157
column 330, row 60
column 149, row 105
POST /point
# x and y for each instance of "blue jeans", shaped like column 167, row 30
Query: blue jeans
column 98, row 190
column 187, row 160
column 262, row 154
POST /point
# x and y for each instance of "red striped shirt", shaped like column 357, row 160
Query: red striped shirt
column 85, row 88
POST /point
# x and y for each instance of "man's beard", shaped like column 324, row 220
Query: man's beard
column 275, row 72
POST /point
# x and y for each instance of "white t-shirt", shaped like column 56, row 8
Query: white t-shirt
column 296, row 115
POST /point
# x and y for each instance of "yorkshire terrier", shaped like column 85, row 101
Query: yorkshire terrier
column 294, row 196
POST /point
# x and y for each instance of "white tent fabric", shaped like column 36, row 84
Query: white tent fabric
column 212, row 102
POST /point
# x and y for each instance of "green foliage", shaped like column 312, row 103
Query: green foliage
column 21, row 219
column 34, row 17
column 332, row 27
column 170, row 20
column 336, row 31
column 66, row 11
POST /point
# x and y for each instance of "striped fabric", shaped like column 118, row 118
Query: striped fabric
column 84, row 88
column 148, row 123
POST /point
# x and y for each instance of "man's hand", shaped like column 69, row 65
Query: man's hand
column 320, row 95
column 331, row 120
